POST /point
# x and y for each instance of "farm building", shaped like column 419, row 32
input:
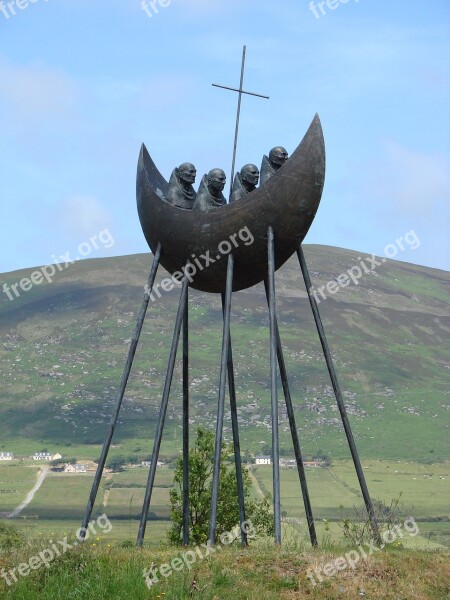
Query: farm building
column 6, row 456
column 263, row 460
column 75, row 469
column 46, row 456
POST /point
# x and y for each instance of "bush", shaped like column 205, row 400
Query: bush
column 117, row 463
column 359, row 529
column 200, row 487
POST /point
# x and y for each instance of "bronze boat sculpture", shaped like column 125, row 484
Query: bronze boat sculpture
column 288, row 202
column 278, row 216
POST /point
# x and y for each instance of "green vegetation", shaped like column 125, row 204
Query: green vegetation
column 63, row 461
column 65, row 345
column 59, row 505
column 10, row 537
column 116, row 463
column 15, row 482
column 62, row 353
column 424, row 490
column 108, row 566
column 61, row 496
column 201, row 461
column 115, row 573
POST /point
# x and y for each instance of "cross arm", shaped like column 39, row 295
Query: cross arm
column 240, row 91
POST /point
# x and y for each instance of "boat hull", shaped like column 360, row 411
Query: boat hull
column 287, row 202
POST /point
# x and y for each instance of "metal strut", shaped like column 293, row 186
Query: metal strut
column 121, row 391
column 274, row 391
column 338, row 395
column 227, row 368
column 221, row 401
column 186, row 424
column 163, row 410
column 236, row 443
column 294, row 432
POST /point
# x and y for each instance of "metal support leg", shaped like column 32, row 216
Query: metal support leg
column 236, row 444
column 274, row 391
column 294, row 432
column 221, row 402
column 121, row 391
column 339, row 399
column 186, row 424
column 162, row 411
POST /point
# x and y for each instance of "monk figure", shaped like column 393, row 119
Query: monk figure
column 245, row 182
column 270, row 165
column 180, row 192
column 209, row 193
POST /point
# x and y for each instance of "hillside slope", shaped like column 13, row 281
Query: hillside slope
column 63, row 346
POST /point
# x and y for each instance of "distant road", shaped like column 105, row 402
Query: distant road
column 255, row 483
column 40, row 480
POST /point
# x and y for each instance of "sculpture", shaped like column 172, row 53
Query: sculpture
column 209, row 193
column 270, row 165
column 180, row 191
column 288, row 202
column 245, row 182
column 279, row 213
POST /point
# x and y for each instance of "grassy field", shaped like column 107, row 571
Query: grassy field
column 58, row 506
column 424, row 489
column 15, row 481
column 107, row 566
column 60, row 497
column 137, row 477
column 60, row 502
column 122, row 531
column 103, row 573
column 126, row 502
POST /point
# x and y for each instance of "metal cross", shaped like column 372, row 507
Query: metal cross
column 240, row 92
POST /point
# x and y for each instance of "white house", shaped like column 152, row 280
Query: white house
column 46, row 456
column 263, row 460
column 148, row 463
column 288, row 463
column 6, row 456
column 75, row 469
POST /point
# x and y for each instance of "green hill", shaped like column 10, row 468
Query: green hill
column 63, row 347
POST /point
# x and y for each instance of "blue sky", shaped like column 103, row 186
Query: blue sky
column 84, row 82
